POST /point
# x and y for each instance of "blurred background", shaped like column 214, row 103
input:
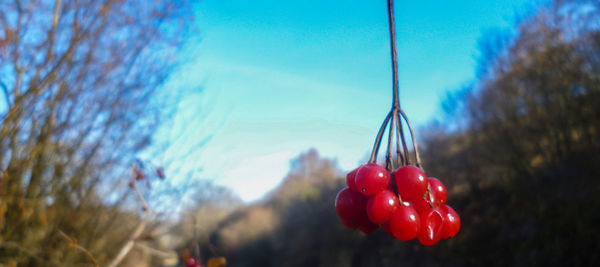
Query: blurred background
column 148, row 133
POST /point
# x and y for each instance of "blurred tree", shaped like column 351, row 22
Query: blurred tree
column 78, row 79
column 529, row 148
column 209, row 205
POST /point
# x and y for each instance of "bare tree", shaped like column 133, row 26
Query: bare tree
column 79, row 79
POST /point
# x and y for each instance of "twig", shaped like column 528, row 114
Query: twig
column 147, row 208
column 73, row 244
column 138, row 230
column 160, row 253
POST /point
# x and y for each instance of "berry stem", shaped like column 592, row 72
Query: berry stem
column 138, row 230
column 395, row 189
column 428, row 194
column 389, row 163
column 373, row 158
column 395, row 113
column 414, row 140
column 392, row 29
column 399, row 156
column 400, row 129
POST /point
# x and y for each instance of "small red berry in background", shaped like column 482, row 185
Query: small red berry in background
column 160, row 172
column 372, row 179
column 138, row 174
column 190, row 262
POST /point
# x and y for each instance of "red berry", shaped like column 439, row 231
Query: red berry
column 350, row 224
column 137, row 173
column 438, row 190
column 372, row 179
column 160, row 172
column 381, row 206
column 451, row 221
column 421, row 205
column 190, row 262
column 405, row 223
column 351, row 180
column 411, row 182
column 349, row 205
column 386, row 228
column 432, row 223
column 365, row 225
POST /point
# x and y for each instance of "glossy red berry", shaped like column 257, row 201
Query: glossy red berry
column 432, row 223
column 438, row 190
column 381, row 206
column 351, row 180
column 411, row 182
column 365, row 225
column 421, row 205
column 451, row 221
column 405, row 223
column 349, row 205
column 372, row 179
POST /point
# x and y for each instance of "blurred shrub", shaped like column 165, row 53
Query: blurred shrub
column 78, row 85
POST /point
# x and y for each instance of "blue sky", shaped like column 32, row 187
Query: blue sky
column 267, row 80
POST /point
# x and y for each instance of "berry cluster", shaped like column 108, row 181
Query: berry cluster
column 401, row 199
column 139, row 170
column 405, row 203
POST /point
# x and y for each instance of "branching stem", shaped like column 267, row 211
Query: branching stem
column 395, row 113
column 138, row 230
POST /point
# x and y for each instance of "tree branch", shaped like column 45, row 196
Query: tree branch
column 138, row 230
